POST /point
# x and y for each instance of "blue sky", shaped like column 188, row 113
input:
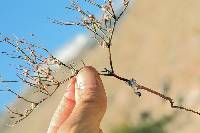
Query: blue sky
column 22, row 17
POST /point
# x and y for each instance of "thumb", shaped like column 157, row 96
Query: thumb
column 90, row 105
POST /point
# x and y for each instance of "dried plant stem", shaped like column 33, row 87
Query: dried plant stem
column 141, row 87
column 6, row 81
column 18, row 96
column 110, row 59
column 37, row 68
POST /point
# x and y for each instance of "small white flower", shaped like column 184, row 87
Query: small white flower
column 105, row 8
column 26, row 72
column 91, row 17
column 32, row 52
column 33, row 105
column 107, row 17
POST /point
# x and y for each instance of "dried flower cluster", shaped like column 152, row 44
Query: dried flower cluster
column 103, row 30
column 38, row 69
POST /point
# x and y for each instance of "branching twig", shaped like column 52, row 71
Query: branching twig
column 38, row 67
column 37, row 70
column 132, row 82
column 140, row 87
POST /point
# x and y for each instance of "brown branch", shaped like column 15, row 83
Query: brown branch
column 132, row 82
column 40, row 76
column 18, row 96
column 140, row 87
column 13, row 112
column 36, row 70
column 110, row 59
column 21, row 116
column 112, row 9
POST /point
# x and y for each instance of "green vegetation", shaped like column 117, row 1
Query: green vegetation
column 145, row 127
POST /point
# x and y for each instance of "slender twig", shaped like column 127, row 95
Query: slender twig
column 18, row 96
column 39, row 64
column 110, row 59
column 35, row 71
column 140, row 87
column 7, row 81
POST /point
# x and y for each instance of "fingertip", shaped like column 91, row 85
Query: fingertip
column 89, row 87
column 88, row 76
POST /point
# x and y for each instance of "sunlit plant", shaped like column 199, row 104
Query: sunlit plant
column 38, row 67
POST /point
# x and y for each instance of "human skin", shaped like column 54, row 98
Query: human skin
column 82, row 106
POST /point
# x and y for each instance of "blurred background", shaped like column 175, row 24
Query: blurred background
column 157, row 42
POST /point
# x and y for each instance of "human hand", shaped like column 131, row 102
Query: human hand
column 82, row 106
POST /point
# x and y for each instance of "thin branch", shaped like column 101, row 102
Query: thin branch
column 36, row 70
column 112, row 9
column 110, row 59
column 9, row 81
column 13, row 112
column 126, row 4
column 92, row 2
column 18, row 96
column 140, row 87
